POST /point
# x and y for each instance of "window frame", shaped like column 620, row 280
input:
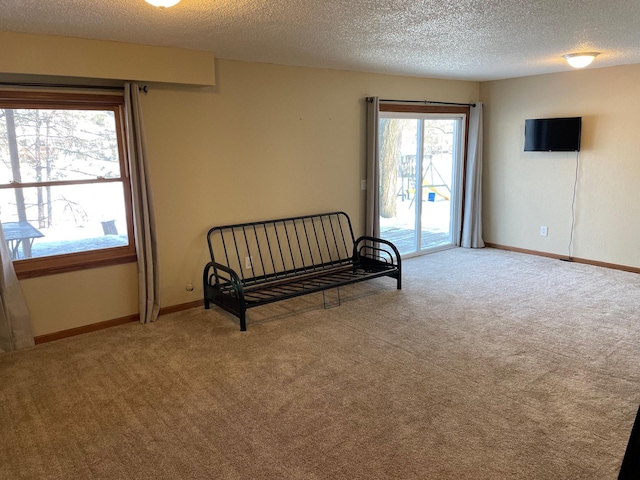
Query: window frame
column 53, row 264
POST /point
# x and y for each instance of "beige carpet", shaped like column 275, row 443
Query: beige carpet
column 487, row 365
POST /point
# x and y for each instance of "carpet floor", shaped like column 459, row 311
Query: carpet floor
column 487, row 365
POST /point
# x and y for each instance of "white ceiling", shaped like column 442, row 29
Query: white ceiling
column 457, row 39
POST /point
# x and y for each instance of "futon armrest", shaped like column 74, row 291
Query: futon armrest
column 375, row 248
column 220, row 276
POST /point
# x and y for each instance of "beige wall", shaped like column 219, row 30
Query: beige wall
column 525, row 190
column 267, row 141
column 24, row 53
column 69, row 300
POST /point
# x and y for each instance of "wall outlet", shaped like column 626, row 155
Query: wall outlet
column 363, row 184
column 189, row 287
column 248, row 263
column 544, row 231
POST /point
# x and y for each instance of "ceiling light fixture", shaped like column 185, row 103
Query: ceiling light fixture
column 578, row 60
column 163, row 3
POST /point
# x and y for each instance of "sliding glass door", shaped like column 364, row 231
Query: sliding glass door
column 421, row 164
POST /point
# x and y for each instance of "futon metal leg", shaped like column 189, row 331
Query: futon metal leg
column 324, row 299
column 243, row 321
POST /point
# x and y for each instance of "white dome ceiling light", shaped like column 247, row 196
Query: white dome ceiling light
column 579, row 60
column 163, row 3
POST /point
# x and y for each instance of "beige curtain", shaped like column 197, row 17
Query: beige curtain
column 472, row 221
column 15, row 321
column 143, row 216
column 372, row 223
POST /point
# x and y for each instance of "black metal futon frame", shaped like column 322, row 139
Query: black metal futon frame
column 258, row 263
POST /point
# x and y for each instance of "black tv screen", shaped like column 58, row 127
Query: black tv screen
column 552, row 134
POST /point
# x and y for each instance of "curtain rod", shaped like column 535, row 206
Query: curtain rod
column 429, row 102
column 143, row 88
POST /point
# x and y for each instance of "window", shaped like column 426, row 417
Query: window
column 65, row 201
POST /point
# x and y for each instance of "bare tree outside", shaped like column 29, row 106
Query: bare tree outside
column 390, row 138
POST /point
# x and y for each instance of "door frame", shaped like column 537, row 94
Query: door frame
column 405, row 111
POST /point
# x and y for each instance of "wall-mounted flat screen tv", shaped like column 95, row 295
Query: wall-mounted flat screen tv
column 552, row 134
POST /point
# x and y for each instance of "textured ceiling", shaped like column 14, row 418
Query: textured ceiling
column 460, row 39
